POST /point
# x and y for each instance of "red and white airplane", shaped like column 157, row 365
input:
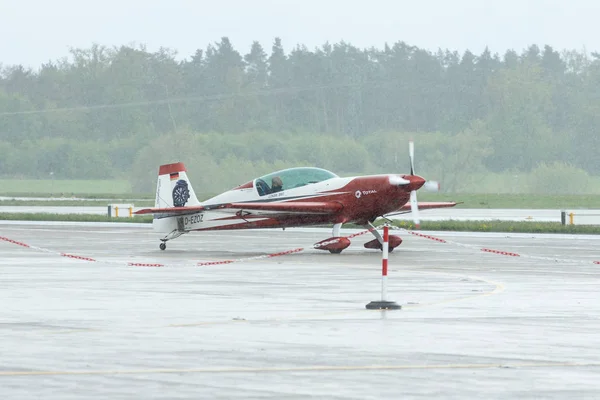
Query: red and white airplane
column 289, row 198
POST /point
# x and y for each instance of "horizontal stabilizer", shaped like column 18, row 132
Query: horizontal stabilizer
column 171, row 210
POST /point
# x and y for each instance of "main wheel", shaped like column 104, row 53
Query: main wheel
column 163, row 246
column 336, row 251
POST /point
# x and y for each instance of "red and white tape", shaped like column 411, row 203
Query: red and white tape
column 14, row 242
column 204, row 263
column 424, row 236
column 296, row 250
column 283, row 253
column 504, row 253
column 499, row 252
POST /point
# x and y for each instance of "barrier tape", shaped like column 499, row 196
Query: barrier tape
column 499, row 252
column 201, row 264
column 77, row 257
column 205, row 263
column 13, row 241
column 504, row 253
column 426, row 236
column 297, row 250
column 144, row 265
column 282, row 253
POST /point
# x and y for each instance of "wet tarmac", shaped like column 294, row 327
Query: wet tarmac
column 472, row 324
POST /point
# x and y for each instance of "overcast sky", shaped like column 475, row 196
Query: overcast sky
column 36, row 31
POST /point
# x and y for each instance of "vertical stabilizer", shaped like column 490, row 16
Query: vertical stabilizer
column 173, row 188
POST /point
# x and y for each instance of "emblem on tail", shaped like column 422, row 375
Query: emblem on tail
column 181, row 193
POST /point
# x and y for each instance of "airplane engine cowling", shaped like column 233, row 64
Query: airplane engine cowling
column 333, row 244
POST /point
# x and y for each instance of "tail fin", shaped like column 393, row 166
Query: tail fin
column 173, row 188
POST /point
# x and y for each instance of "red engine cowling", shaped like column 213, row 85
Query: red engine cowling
column 393, row 242
column 333, row 244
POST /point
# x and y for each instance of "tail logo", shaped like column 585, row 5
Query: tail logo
column 181, row 193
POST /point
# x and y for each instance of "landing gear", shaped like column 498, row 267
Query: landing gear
column 377, row 243
column 336, row 230
column 172, row 235
column 334, row 244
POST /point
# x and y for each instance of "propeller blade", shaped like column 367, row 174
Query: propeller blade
column 414, row 208
column 432, row 186
column 411, row 154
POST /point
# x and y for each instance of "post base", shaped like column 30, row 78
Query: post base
column 383, row 305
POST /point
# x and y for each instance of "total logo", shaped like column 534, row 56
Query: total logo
column 359, row 193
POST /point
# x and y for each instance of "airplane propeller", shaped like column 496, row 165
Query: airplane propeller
column 415, row 182
column 430, row 186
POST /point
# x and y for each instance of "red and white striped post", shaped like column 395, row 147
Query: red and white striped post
column 384, row 304
column 384, row 262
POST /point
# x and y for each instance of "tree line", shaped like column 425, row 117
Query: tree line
column 100, row 111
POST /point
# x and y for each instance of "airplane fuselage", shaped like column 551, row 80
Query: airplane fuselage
column 361, row 199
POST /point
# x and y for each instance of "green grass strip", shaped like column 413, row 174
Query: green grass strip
column 499, row 226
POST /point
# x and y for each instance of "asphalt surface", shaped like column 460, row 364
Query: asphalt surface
column 473, row 324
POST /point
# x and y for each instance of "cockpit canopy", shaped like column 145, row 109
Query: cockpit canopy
column 291, row 178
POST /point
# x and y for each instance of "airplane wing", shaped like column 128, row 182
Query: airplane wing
column 288, row 207
column 423, row 205
column 305, row 207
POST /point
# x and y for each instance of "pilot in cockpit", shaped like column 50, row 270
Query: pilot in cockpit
column 276, row 184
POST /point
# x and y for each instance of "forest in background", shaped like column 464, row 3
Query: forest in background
column 519, row 122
